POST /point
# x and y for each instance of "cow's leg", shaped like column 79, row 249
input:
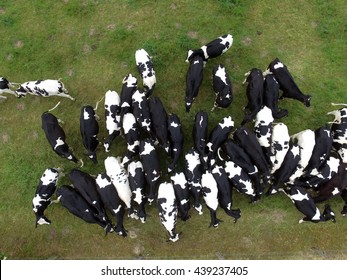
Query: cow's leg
column 344, row 197
column 67, row 96
column 214, row 220
column 3, row 97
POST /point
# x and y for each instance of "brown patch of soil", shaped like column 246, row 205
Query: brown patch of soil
column 247, row 41
column 193, row 34
column 18, row 44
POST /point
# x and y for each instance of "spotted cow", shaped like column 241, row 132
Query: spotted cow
column 145, row 67
column 194, row 78
column 200, row 135
column 263, row 129
column 112, row 117
column 279, row 146
column 132, row 137
column 141, row 111
column 222, row 87
column 128, row 88
column 6, row 87
column 181, row 189
column 176, row 140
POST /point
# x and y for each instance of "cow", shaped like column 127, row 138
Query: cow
column 56, row 136
column 280, row 141
column 339, row 136
column 210, row 194
column 168, row 210
column 111, row 201
column 145, row 67
column 194, row 78
column 128, row 88
column 132, row 137
column 150, row 160
column 44, row 191
column 5, row 87
column 304, row 202
column 225, row 192
column 271, row 96
column 181, row 189
column 74, row 202
column 159, row 118
column 222, row 87
column 141, row 111
column 44, row 88
column 286, row 82
column 89, row 129
column 176, row 139
column 200, row 135
column 254, row 92
column 112, row 117
column 137, row 183
column 263, row 129
column 193, row 173
column 213, row 49
column 119, row 178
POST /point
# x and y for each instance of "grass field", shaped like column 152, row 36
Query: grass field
column 90, row 45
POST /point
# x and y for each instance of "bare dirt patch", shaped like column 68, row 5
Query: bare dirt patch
column 70, row 72
column 173, row 6
column 138, row 250
column 2, row 11
column 192, row 34
column 18, row 44
column 5, row 138
column 86, row 48
column 20, row 106
column 247, row 41
column 111, row 26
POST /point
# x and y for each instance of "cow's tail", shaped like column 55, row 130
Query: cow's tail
column 54, row 107
column 218, row 153
column 338, row 104
column 97, row 103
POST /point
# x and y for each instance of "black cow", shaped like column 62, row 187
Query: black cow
column 200, row 135
column 56, row 136
column 5, row 87
column 111, row 201
column 128, row 88
column 145, row 67
column 271, row 96
column 132, row 137
column 112, row 117
column 89, row 128
column 287, row 84
column 222, row 87
column 181, row 189
column 44, row 191
column 74, row 202
column 255, row 92
column 213, row 49
column 193, row 80
column 141, row 111
column 150, row 161
column 176, row 140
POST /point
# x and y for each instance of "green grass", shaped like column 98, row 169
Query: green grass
column 90, row 45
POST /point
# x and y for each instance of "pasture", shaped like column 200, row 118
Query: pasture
column 90, row 45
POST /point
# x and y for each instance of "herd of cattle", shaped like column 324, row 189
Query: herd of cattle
column 310, row 166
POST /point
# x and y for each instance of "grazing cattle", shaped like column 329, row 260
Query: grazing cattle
column 287, row 84
column 119, row 178
column 181, row 189
column 222, row 87
column 137, row 185
column 255, row 92
column 56, row 136
column 112, row 117
column 159, row 118
column 43, row 88
column 168, row 210
column 150, row 161
column 279, row 147
column 193, row 80
column 200, row 129
column 271, row 96
column 44, row 191
column 74, row 202
column 339, row 136
column 225, row 192
column 210, row 194
column 111, row 201
column 213, row 49
column 89, row 128
column 176, row 140
column 5, row 87
column 141, row 111
column 145, row 67
column 304, row 202
column 263, row 129
column 193, row 173
column 86, row 185
column 132, row 137
column 128, row 88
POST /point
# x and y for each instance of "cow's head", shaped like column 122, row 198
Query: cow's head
column 307, row 100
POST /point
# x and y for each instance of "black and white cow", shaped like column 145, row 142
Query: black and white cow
column 128, row 88
column 56, row 136
column 271, row 96
column 150, row 160
column 193, row 173
column 210, row 194
column 168, row 210
column 194, row 78
column 132, row 137
column 141, row 111
column 340, row 115
column 200, row 135
column 254, row 92
column 43, row 88
column 263, row 129
column 279, row 147
column 222, row 87
column 145, row 67
column 181, row 188
column 287, row 84
column 225, row 192
column 137, row 183
column 5, row 87
column 89, row 128
column 159, row 118
column 44, row 191
column 213, row 49
column 176, row 140
column 74, row 202
column 111, row 201
column 112, row 117
column 304, row 202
